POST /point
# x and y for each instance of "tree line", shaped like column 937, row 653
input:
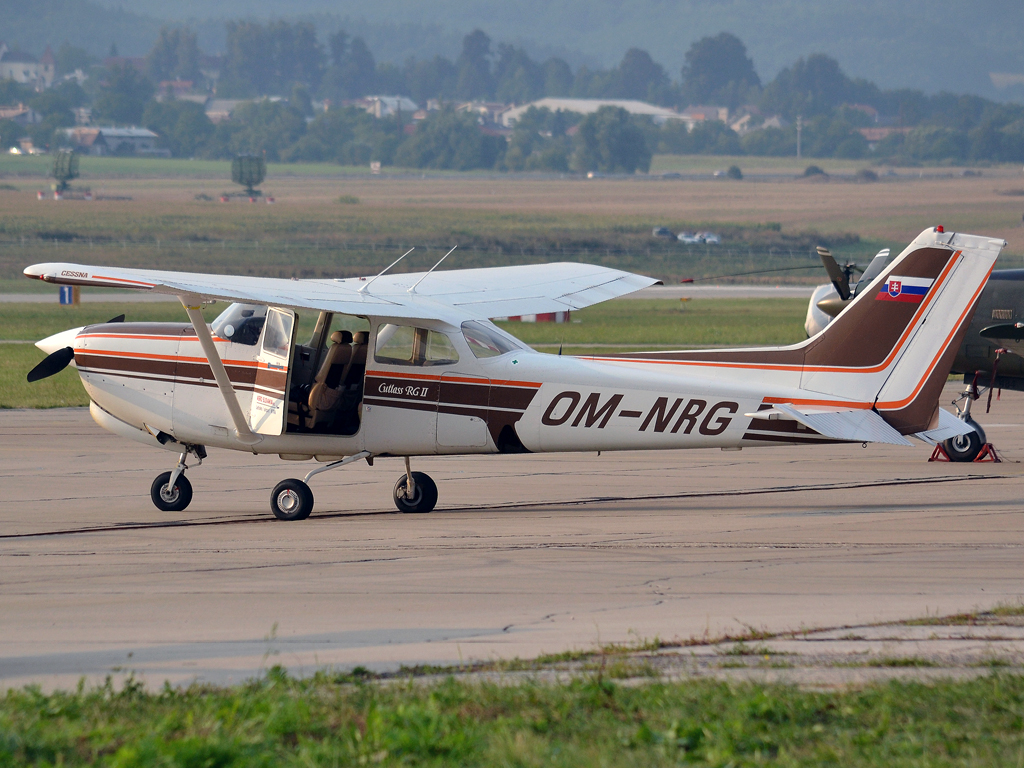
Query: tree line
column 289, row 60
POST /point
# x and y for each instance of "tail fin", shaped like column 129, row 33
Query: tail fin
column 895, row 343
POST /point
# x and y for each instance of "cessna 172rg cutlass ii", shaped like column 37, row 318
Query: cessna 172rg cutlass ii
column 432, row 375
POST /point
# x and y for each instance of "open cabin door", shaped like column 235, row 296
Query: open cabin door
column 269, row 398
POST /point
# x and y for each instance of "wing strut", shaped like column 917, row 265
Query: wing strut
column 242, row 431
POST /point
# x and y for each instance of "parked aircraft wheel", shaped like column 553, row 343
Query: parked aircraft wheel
column 424, row 497
column 965, row 447
column 171, row 499
column 291, row 499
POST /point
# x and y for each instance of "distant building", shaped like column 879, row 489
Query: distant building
column 744, row 124
column 877, row 134
column 25, row 68
column 116, row 141
column 21, row 115
column 588, row 106
column 486, row 111
column 751, row 120
column 219, row 110
column 384, row 106
column 699, row 114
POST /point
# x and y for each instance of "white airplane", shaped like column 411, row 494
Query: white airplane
column 410, row 365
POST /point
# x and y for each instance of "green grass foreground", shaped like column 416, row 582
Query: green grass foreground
column 336, row 720
column 601, row 329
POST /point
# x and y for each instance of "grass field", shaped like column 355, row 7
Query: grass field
column 38, row 166
column 766, row 224
column 616, row 325
column 330, row 720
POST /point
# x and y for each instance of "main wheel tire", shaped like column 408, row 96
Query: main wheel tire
column 291, row 499
column 965, row 447
column 424, row 498
column 171, row 499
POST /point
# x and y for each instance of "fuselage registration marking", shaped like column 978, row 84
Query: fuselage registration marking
column 708, row 419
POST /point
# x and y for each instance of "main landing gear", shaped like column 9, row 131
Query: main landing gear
column 171, row 491
column 415, row 492
column 292, row 499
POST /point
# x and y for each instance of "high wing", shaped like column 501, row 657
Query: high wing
column 489, row 292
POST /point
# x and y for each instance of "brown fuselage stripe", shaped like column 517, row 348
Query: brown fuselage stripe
column 182, row 382
column 864, row 337
column 179, row 369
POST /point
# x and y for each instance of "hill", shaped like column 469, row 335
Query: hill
column 931, row 44
column 935, row 45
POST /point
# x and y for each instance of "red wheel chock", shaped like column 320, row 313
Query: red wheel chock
column 987, row 453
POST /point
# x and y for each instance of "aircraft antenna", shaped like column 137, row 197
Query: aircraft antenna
column 413, row 289
column 389, row 266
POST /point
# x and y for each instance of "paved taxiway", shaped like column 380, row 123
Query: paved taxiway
column 525, row 554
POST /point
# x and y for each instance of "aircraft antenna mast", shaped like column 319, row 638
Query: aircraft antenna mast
column 389, row 266
column 413, row 289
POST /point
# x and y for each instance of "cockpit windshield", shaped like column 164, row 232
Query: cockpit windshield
column 487, row 340
column 241, row 323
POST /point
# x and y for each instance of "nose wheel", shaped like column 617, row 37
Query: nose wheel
column 171, row 495
column 171, row 491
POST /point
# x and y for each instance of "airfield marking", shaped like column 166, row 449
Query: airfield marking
column 262, row 518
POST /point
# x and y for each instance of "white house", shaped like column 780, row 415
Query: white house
column 25, row 68
column 588, row 106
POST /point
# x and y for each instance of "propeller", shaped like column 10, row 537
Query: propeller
column 840, row 276
column 59, row 359
column 51, row 364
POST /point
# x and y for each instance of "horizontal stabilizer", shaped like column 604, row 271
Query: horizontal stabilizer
column 949, row 426
column 856, row 425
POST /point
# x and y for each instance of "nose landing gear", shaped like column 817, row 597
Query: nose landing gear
column 171, row 491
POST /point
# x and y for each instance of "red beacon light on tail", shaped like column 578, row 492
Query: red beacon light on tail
column 940, row 229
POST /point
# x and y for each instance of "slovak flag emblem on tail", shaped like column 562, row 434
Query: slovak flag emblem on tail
column 906, row 289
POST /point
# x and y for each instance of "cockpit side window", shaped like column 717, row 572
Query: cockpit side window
column 406, row 345
column 277, row 337
column 241, row 323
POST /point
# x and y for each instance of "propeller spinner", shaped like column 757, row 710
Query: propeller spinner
column 61, row 353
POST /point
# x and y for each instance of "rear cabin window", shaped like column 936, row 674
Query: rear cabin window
column 406, row 345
